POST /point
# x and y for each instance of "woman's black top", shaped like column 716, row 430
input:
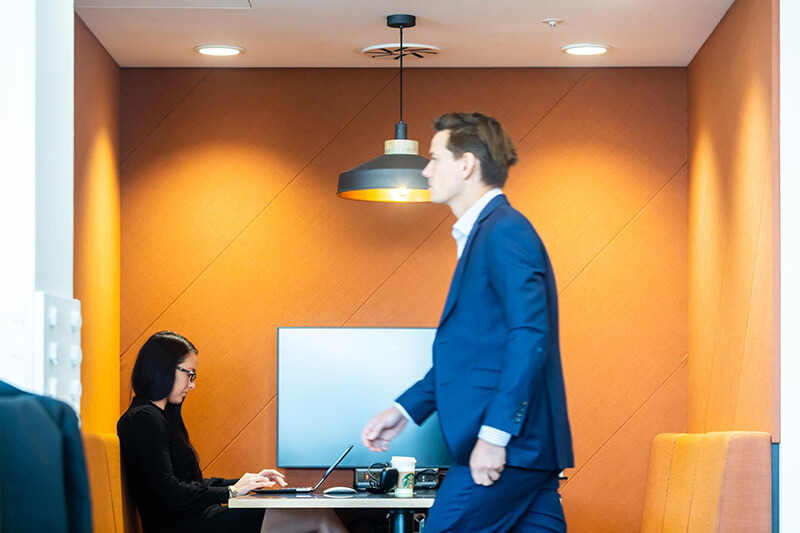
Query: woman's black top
column 162, row 470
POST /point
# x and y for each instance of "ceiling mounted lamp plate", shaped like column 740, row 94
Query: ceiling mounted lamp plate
column 585, row 49
column 219, row 50
column 396, row 176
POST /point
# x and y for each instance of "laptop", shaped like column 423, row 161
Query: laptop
column 306, row 490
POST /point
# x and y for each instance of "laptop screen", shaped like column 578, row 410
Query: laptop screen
column 333, row 466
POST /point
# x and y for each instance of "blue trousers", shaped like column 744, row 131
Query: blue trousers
column 522, row 500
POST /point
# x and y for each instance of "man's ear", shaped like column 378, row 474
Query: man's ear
column 468, row 164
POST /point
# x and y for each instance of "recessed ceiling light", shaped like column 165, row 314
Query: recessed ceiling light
column 585, row 49
column 219, row 50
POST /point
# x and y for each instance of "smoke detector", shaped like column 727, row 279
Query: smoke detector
column 552, row 22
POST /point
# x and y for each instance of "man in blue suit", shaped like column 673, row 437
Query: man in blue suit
column 496, row 379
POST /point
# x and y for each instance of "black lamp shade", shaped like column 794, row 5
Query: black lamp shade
column 388, row 178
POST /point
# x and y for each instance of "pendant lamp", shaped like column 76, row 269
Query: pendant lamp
column 396, row 176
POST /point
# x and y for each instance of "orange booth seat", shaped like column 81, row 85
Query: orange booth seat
column 112, row 508
column 709, row 482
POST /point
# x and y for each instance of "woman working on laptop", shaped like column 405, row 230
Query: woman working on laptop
column 162, row 466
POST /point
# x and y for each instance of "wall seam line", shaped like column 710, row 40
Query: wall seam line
column 684, row 361
column 555, row 104
column 211, row 462
column 623, row 228
column 767, row 182
column 723, row 279
column 257, row 215
column 393, row 272
column 165, row 117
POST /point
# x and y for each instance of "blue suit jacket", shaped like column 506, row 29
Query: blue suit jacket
column 496, row 356
column 43, row 481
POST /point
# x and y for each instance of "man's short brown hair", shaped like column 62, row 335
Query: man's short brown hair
column 485, row 138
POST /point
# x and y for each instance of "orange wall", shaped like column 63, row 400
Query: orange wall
column 97, row 245
column 733, row 224
column 231, row 228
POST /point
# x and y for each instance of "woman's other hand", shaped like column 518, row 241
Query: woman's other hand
column 250, row 482
column 274, row 476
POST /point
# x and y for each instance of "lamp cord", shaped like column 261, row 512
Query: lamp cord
column 401, row 73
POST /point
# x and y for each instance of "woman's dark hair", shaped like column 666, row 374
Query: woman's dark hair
column 154, row 371
column 484, row 137
column 154, row 375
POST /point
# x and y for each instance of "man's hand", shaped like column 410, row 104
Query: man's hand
column 486, row 462
column 382, row 428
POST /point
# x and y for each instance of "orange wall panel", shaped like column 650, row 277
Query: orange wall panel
column 97, row 220
column 601, row 497
column 217, row 160
column 231, row 228
column 620, row 319
column 157, row 92
column 733, row 255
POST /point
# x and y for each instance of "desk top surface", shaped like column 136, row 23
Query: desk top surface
column 423, row 499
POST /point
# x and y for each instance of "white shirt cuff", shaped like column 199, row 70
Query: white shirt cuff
column 404, row 412
column 494, row 436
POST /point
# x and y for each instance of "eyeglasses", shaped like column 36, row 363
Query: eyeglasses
column 192, row 373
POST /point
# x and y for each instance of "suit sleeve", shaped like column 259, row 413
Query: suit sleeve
column 517, row 272
column 419, row 400
column 77, row 493
column 151, row 440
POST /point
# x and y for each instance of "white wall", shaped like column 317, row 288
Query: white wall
column 55, row 58
column 36, row 192
column 18, row 208
column 790, row 265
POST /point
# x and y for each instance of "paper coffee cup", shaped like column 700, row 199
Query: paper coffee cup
column 406, row 467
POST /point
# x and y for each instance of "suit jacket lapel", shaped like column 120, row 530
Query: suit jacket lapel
column 455, row 285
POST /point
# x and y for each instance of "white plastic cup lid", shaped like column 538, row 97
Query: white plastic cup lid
column 399, row 462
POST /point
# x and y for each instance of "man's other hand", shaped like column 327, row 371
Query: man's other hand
column 382, row 428
column 486, row 462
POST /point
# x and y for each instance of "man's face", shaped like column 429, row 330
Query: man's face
column 444, row 171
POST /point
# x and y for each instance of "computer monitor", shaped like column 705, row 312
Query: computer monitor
column 332, row 380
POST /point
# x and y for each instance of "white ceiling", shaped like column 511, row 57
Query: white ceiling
column 331, row 33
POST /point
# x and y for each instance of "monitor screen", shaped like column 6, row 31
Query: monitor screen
column 332, row 380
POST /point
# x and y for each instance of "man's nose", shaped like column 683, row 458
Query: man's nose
column 426, row 172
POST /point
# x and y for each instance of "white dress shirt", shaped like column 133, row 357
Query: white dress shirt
column 461, row 231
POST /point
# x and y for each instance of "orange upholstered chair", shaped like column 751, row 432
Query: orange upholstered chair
column 112, row 508
column 709, row 482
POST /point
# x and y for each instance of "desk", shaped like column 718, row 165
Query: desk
column 401, row 509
